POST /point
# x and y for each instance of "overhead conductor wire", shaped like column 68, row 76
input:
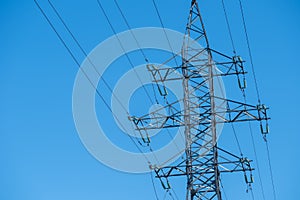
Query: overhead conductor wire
column 146, row 59
column 249, row 51
column 164, row 29
column 168, row 40
column 136, row 41
column 244, row 95
column 83, row 51
column 257, row 91
column 85, row 74
column 144, row 55
column 123, row 49
column 228, row 26
column 88, row 58
column 154, row 188
column 174, row 56
column 86, row 55
column 127, row 56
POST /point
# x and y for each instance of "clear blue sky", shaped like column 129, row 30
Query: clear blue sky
column 42, row 157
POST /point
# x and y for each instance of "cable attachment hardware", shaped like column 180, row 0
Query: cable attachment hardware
column 163, row 180
column 240, row 72
column 158, row 77
column 143, row 133
column 166, row 185
column 264, row 125
column 247, row 168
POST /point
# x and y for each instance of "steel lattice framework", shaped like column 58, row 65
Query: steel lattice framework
column 201, row 116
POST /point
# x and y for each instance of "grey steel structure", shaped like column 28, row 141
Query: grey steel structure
column 201, row 117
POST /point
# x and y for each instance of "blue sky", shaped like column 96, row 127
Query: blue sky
column 42, row 157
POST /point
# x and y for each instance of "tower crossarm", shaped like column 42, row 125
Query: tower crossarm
column 226, row 65
column 228, row 162
column 234, row 112
column 203, row 171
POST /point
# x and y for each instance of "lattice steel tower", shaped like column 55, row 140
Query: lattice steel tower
column 205, row 110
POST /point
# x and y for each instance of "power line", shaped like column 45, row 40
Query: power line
column 70, row 52
column 85, row 54
column 223, row 190
column 85, row 74
column 137, row 42
column 165, row 195
column 255, row 151
column 271, row 171
column 123, row 49
column 249, row 51
column 145, row 57
column 170, row 194
column 251, row 191
column 165, row 33
column 130, row 29
column 170, row 46
column 127, row 56
column 256, row 160
column 234, row 50
column 174, row 194
column 234, row 132
column 228, row 26
column 257, row 91
column 154, row 188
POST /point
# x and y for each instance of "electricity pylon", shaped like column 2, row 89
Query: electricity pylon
column 205, row 109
